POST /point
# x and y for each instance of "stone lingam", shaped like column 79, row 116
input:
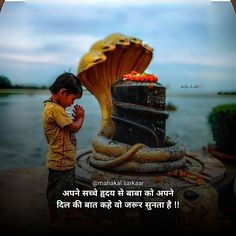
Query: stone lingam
column 132, row 145
column 138, row 142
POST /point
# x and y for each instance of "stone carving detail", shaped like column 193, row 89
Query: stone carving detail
column 132, row 136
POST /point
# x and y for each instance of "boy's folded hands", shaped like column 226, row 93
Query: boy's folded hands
column 78, row 112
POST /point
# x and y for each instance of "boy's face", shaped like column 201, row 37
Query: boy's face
column 67, row 100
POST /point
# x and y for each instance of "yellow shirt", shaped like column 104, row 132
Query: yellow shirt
column 61, row 143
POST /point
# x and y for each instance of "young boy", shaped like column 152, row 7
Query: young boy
column 60, row 131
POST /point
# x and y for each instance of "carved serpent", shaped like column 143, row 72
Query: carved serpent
column 109, row 154
column 105, row 63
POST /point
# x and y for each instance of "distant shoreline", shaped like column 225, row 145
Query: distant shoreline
column 26, row 91
column 168, row 94
column 23, row 90
column 226, row 93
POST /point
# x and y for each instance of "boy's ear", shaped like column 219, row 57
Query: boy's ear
column 62, row 91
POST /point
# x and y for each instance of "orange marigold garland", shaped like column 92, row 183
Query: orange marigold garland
column 180, row 173
column 144, row 77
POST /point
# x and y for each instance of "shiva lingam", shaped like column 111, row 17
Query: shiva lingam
column 132, row 136
column 138, row 140
column 132, row 144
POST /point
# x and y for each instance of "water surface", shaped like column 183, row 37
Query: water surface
column 22, row 142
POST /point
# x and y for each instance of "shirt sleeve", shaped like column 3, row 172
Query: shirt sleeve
column 61, row 117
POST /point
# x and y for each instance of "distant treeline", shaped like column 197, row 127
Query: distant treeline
column 5, row 83
column 226, row 93
column 28, row 87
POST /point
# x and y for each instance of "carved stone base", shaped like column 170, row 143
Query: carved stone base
column 198, row 200
column 208, row 168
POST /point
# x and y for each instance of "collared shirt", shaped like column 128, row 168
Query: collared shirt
column 61, row 143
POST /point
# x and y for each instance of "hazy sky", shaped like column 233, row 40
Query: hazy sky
column 194, row 41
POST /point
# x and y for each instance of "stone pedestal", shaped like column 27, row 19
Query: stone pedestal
column 196, row 200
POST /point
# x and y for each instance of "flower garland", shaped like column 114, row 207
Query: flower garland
column 144, row 77
column 180, row 173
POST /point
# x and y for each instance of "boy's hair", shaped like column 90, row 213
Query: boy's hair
column 68, row 81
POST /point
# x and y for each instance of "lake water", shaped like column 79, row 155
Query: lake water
column 22, row 142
